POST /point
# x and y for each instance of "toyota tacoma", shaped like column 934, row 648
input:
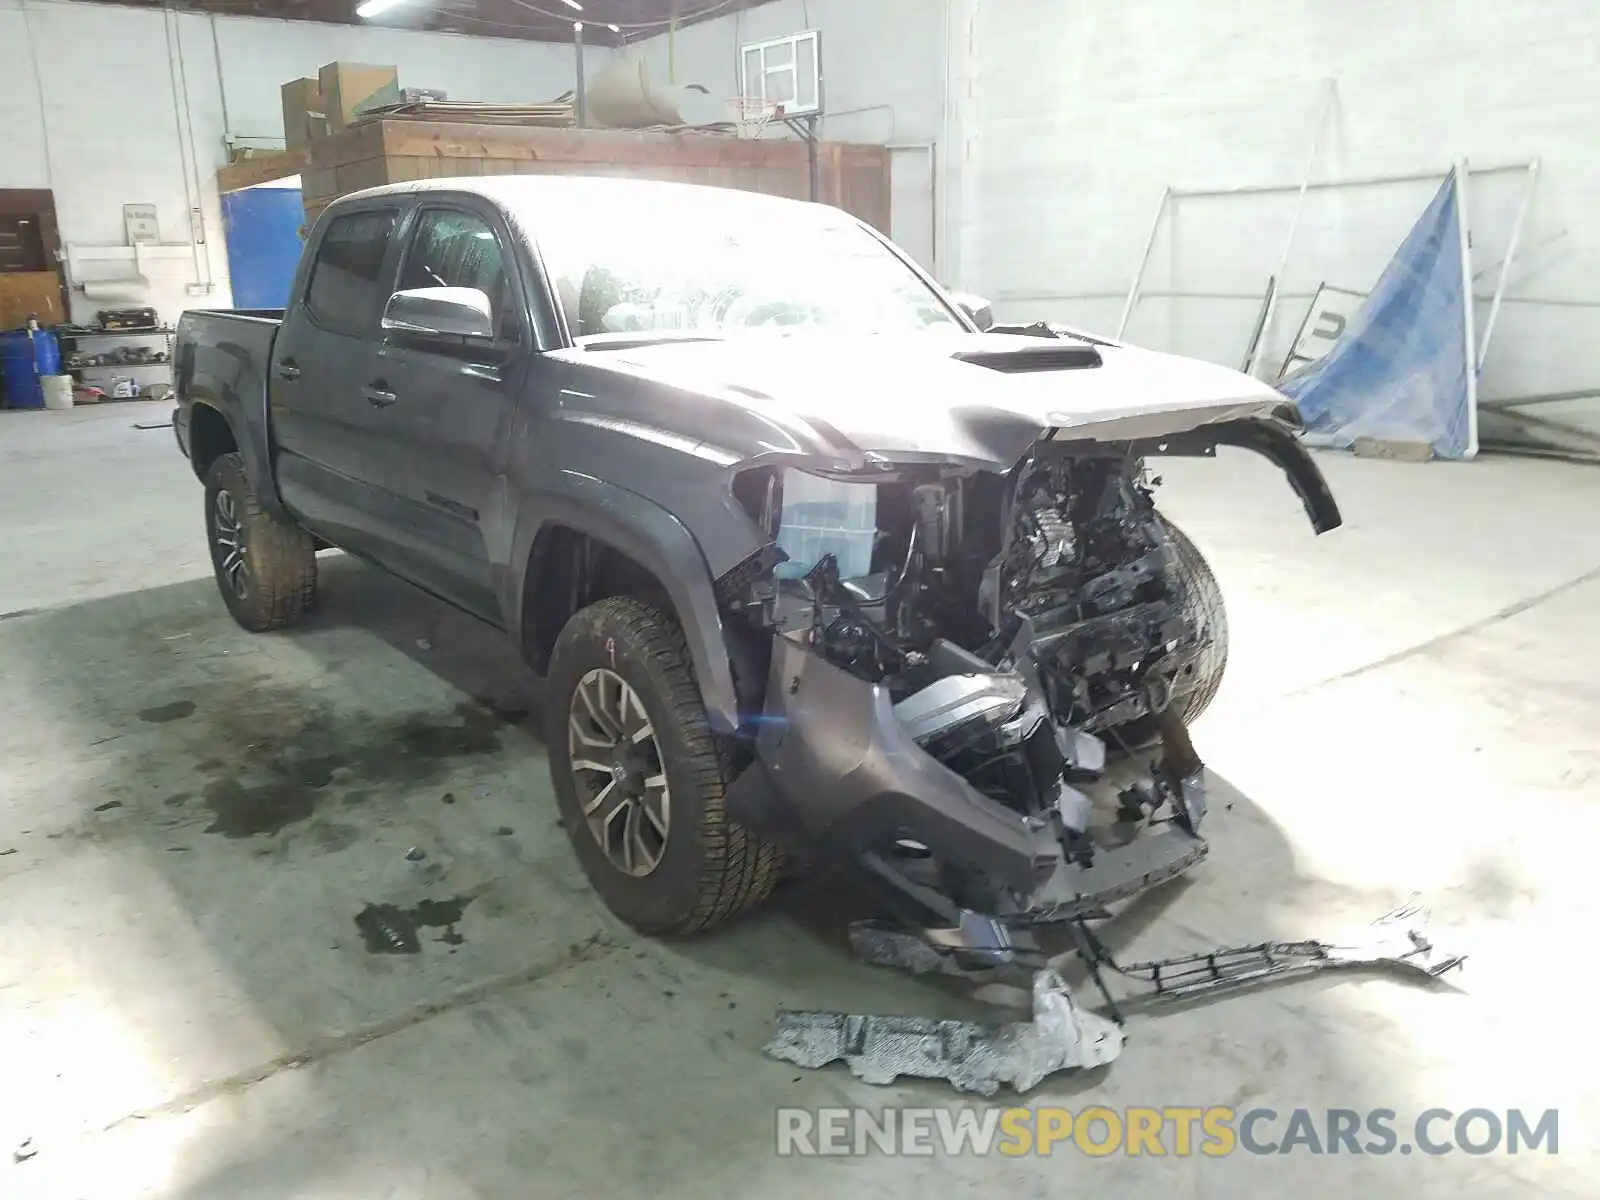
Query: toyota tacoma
column 817, row 561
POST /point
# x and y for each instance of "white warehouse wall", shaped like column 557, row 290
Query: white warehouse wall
column 88, row 110
column 884, row 80
column 1072, row 117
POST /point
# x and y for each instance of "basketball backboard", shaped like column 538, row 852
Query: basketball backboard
column 786, row 71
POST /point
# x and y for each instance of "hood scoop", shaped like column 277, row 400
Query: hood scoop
column 1033, row 359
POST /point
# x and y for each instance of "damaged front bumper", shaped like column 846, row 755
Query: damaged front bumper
column 837, row 774
column 1093, row 627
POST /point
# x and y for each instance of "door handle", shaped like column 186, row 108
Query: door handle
column 288, row 369
column 379, row 397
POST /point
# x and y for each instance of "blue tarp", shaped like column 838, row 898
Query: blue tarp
column 1400, row 370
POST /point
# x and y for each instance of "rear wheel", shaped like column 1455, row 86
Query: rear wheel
column 266, row 566
column 640, row 778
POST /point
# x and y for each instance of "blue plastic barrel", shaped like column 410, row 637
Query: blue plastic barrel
column 23, row 358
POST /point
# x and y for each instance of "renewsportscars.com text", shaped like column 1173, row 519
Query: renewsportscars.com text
column 1177, row 1131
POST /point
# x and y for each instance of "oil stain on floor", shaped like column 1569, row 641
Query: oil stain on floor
column 286, row 770
column 389, row 929
column 162, row 713
column 266, row 808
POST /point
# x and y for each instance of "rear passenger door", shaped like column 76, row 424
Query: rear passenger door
column 330, row 451
column 455, row 401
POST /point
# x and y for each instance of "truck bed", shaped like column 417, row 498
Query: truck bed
column 223, row 357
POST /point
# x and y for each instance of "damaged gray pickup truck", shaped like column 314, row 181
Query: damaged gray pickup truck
column 816, row 561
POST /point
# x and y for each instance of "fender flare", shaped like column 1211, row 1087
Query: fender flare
column 249, row 446
column 657, row 541
column 1273, row 438
column 1275, row 441
column 231, row 384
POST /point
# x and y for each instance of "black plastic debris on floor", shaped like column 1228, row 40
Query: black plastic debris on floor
column 390, row 929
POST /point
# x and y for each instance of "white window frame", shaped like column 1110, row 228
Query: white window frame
column 756, row 88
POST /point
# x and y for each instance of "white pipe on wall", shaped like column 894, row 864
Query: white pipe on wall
column 38, row 85
column 931, row 149
column 174, row 54
column 222, row 83
column 198, row 233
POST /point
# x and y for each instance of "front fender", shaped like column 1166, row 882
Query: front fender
column 652, row 537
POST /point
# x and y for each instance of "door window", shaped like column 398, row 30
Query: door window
column 456, row 249
column 345, row 292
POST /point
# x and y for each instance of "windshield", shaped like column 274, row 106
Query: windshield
column 699, row 265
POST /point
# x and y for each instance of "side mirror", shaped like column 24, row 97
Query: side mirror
column 977, row 308
column 440, row 312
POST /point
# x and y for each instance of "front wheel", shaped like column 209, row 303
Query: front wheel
column 640, row 777
column 1201, row 598
column 266, row 566
column 1202, row 601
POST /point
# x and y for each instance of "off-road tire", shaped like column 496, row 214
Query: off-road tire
column 711, row 867
column 1202, row 599
column 280, row 557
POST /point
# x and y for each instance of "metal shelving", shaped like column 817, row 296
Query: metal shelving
column 70, row 336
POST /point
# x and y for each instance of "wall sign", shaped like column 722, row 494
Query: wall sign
column 140, row 222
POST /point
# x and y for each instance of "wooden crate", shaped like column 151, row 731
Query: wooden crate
column 853, row 177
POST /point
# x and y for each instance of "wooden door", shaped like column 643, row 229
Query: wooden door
column 30, row 244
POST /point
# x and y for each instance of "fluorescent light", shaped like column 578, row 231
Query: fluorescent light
column 371, row 8
column 614, row 28
column 573, row 4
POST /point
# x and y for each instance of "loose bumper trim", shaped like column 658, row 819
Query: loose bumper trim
column 837, row 769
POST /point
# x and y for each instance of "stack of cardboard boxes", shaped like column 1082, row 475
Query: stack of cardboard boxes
column 336, row 99
column 355, row 127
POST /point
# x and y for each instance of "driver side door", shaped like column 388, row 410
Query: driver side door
column 451, row 402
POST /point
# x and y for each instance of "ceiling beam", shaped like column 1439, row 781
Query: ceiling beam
column 516, row 19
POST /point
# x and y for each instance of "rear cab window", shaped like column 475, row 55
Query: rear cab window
column 347, row 287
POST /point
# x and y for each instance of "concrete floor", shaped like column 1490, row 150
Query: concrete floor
column 193, row 817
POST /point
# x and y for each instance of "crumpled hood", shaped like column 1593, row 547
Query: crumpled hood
column 909, row 396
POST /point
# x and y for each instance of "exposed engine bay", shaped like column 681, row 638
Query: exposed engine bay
column 1040, row 637
column 991, row 718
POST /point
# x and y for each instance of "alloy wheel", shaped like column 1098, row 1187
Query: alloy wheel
column 227, row 532
column 617, row 769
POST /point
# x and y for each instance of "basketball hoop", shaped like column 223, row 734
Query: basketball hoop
column 752, row 115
